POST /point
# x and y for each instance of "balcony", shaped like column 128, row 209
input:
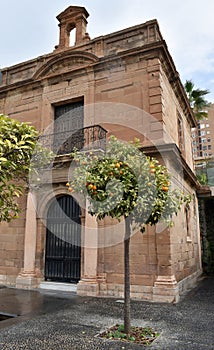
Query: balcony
column 89, row 138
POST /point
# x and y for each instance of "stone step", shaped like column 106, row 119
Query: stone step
column 64, row 287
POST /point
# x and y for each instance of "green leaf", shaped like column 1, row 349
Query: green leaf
column 15, row 159
column 125, row 167
column 2, row 159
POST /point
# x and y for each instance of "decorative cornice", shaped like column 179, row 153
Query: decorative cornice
column 173, row 152
column 204, row 192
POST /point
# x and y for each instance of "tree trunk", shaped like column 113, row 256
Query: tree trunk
column 127, row 322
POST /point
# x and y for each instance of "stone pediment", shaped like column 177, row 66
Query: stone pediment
column 72, row 11
column 65, row 63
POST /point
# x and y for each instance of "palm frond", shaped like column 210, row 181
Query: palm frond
column 197, row 100
column 189, row 86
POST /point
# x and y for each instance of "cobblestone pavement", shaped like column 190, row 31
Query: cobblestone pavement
column 61, row 321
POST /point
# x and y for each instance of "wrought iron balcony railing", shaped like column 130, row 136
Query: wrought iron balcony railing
column 91, row 137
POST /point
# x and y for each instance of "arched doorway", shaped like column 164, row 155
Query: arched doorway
column 63, row 241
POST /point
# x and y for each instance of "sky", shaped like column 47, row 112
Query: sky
column 29, row 29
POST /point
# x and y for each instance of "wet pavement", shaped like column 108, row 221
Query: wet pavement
column 62, row 321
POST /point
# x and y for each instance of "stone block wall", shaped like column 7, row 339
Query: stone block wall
column 12, row 247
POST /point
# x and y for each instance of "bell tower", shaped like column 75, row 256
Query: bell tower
column 74, row 17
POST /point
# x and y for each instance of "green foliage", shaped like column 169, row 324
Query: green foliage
column 41, row 160
column 17, row 143
column 123, row 182
column 140, row 335
column 197, row 100
column 202, row 178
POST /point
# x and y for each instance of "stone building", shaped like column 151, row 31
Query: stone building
column 126, row 84
column 203, row 146
column 202, row 137
column 203, row 155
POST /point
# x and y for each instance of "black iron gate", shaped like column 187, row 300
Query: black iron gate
column 63, row 241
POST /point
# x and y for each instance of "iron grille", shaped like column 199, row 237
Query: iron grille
column 92, row 137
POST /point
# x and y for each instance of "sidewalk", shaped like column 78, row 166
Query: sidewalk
column 62, row 321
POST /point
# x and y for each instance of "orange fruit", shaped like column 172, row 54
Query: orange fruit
column 165, row 188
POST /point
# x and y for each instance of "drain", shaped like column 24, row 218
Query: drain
column 4, row 316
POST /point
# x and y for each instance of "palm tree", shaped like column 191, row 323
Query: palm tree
column 197, row 100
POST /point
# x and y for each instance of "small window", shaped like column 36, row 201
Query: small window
column 209, row 147
column 208, row 132
column 202, row 126
column 188, row 221
column 203, row 133
column 180, row 133
column 194, row 205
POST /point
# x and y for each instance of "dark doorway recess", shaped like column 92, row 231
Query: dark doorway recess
column 63, row 241
column 206, row 210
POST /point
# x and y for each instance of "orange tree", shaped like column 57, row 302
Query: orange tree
column 125, row 184
column 21, row 155
column 17, row 144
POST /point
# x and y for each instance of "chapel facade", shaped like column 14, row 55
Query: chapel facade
column 123, row 84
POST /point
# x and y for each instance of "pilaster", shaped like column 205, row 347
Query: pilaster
column 27, row 278
column 88, row 285
column 165, row 288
